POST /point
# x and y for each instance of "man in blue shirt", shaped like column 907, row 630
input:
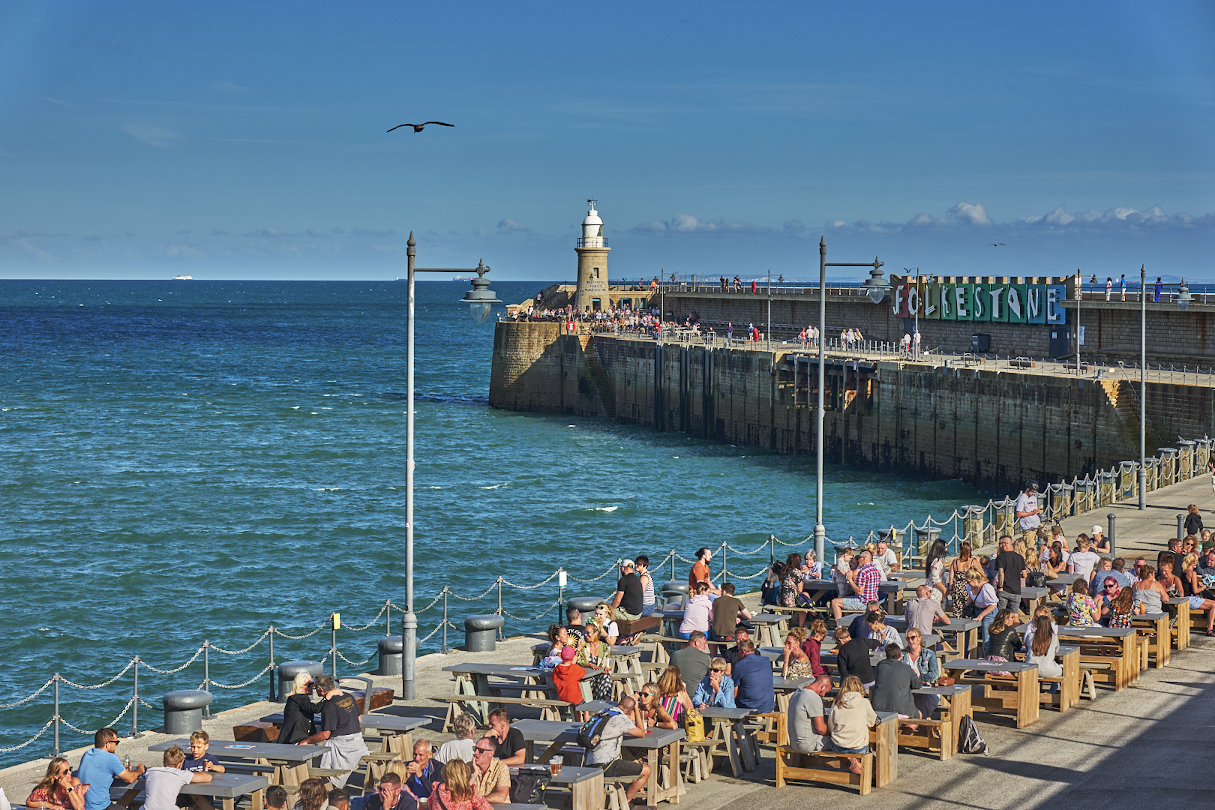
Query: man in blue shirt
column 753, row 676
column 98, row 768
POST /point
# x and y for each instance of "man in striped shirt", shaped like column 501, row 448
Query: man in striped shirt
column 865, row 582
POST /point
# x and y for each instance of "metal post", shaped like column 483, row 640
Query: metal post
column 388, row 617
column 500, row 636
column 772, row 550
column 206, row 674
column 560, row 602
column 1142, row 387
column 135, row 700
column 723, row 563
column 409, row 622
column 820, row 533
column 333, row 646
column 1079, row 300
column 1181, row 526
column 769, row 329
column 672, row 565
column 55, row 753
column 1111, row 517
column 273, row 674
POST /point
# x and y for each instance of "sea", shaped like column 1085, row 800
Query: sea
column 190, row 461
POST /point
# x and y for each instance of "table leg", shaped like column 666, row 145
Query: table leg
column 721, row 730
column 749, row 755
column 588, row 794
column 1164, row 644
column 1069, row 694
column 651, row 786
column 886, row 750
column 257, row 797
column 1027, row 697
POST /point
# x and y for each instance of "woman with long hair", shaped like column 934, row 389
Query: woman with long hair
column 593, row 653
column 1193, row 588
column 607, row 628
column 789, row 594
column 458, row 791
column 813, row 646
column 314, row 795
column 1043, row 647
column 672, row 694
column 1003, row 641
column 849, row 721
column 1150, row 595
column 796, row 661
column 58, row 790
column 924, row 661
column 558, row 637
column 934, row 571
column 957, row 581
column 1122, row 608
column 981, row 598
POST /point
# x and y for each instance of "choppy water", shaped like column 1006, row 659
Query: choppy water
column 182, row 461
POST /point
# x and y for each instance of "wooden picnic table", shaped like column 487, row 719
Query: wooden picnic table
column 559, row 733
column 626, row 662
column 784, row 688
column 227, row 787
column 964, row 632
column 289, row 762
column 729, row 727
column 1179, row 607
column 1022, row 701
column 955, row 704
column 1155, row 626
column 396, row 733
column 770, row 628
column 1097, row 643
column 585, row 784
column 884, row 740
column 892, row 588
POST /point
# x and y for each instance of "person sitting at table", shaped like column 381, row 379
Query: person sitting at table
column 339, row 799
column 1004, row 642
column 673, row 693
column 1148, row 592
column 893, row 680
column 198, row 760
column 458, row 791
column 423, row 770
column 1105, row 568
column 795, row 662
column 100, row 766
column 315, row 796
column 849, row 722
column 59, row 790
column 859, row 626
column 1121, row 608
column 626, row 721
column 806, row 723
column 880, row 633
column 864, row 582
column 981, row 599
column 594, row 654
column 462, row 746
column 693, row 660
column 1169, row 573
column 716, row 688
column 299, row 711
column 608, row 629
column 1083, row 561
column 852, row 656
column 391, row 795
column 490, row 775
column 754, row 688
column 276, row 798
column 790, row 593
column 924, row 661
column 558, row 638
column 1206, row 564
column 340, row 730
column 1055, row 565
column 1105, row 590
column 509, row 746
column 1042, row 645
column 922, row 611
column 698, row 614
column 1100, row 543
column 574, row 626
column 732, row 654
column 1193, row 588
column 728, row 612
column 1175, row 556
column 1189, row 545
column 162, row 784
column 653, row 712
column 1041, row 610
column 1081, row 608
column 813, row 645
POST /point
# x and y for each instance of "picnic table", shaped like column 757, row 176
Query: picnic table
column 558, row 733
column 472, row 680
column 396, row 733
column 289, row 763
column 955, row 704
column 585, row 784
column 816, row 589
column 884, row 740
column 1116, row 646
column 1018, row 695
column 964, row 632
column 227, row 787
column 784, row 688
column 1179, row 607
column 1155, row 627
column 626, row 662
column 729, row 728
column 770, row 629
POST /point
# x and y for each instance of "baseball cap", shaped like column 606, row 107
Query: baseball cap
column 1031, row 484
column 567, row 653
column 1097, row 530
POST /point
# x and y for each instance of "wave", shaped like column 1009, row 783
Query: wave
column 494, row 486
column 454, row 399
column 606, row 508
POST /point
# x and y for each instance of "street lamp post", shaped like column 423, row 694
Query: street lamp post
column 820, row 533
column 1142, row 388
column 480, row 300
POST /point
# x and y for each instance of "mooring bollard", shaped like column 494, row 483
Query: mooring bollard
column 184, row 710
column 287, row 672
column 481, row 632
column 391, row 650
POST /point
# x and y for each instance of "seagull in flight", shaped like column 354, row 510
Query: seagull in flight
column 997, row 244
column 418, row 127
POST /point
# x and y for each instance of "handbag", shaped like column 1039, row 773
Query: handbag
column 529, row 784
column 1035, row 579
column 694, row 725
column 945, row 680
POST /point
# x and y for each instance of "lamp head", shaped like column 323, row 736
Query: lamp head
column 1183, row 296
column 875, row 286
column 480, row 298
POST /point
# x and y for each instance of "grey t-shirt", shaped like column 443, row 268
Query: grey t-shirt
column 609, row 742
column 921, row 612
column 163, row 785
column 804, row 706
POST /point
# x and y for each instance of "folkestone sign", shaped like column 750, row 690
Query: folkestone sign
column 978, row 301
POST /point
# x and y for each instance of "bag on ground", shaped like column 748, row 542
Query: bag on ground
column 969, row 741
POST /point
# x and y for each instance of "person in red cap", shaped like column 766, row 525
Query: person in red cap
column 567, row 677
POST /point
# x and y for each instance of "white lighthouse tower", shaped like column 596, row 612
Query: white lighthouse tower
column 592, row 250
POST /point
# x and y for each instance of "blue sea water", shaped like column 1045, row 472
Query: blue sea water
column 182, row 461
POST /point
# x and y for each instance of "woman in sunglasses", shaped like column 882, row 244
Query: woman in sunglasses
column 58, row 790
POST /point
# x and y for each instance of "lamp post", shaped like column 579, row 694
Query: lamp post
column 480, row 300
column 820, row 533
column 1142, row 388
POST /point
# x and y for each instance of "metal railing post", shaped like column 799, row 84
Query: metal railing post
column 444, row 618
column 206, row 674
column 723, row 563
column 135, row 700
column 500, row 633
column 55, row 752
column 388, row 617
column 772, row 551
column 273, row 674
column 333, row 646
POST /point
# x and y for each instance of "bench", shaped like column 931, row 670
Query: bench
column 1087, row 668
column 791, row 764
column 549, row 709
column 629, row 628
column 931, row 735
column 1021, row 362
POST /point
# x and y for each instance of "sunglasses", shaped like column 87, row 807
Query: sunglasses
column 485, row 750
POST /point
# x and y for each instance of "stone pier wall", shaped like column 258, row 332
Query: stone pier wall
column 993, row 429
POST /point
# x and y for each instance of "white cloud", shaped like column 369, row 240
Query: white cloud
column 511, row 225
column 686, row 223
column 267, row 232
column 160, row 137
column 1119, row 218
column 970, row 214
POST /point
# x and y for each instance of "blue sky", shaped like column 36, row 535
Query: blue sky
column 147, row 140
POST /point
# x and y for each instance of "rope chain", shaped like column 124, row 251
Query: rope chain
column 355, row 663
column 376, row 620
column 306, row 635
column 30, row 740
column 241, row 651
column 533, row 618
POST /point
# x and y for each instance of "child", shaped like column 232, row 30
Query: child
column 276, row 797
column 199, row 760
column 339, row 799
column 567, row 677
column 163, row 784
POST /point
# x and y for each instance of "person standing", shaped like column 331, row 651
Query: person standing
column 730, row 334
column 340, row 730
column 1010, row 576
column 1123, row 283
column 1156, row 291
column 1028, row 513
column 627, row 602
column 648, row 601
column 700, row 571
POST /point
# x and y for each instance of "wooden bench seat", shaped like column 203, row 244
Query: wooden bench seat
column 549, row 709
column 931, row 735
column 791, row 764
column 645, row 623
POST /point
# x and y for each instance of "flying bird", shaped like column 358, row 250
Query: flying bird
column 419, row 127
column 996, row 244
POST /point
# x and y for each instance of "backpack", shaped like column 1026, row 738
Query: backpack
column 1035, row 579
column 529, row 784
column 694, row 725
column 969, row 741
column 590, row 733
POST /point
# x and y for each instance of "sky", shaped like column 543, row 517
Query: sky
column 248, row 141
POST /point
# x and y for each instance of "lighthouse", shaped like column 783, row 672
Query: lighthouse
column 592, row 250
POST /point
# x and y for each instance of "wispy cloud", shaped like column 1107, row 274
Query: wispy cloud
column 229, row 89
column 370, row 232
column 220, row 232
column 686, row 223
column 267, row 232
column 160, row 137
column 510, row 225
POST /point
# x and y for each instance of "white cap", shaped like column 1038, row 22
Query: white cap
column 1097, row 530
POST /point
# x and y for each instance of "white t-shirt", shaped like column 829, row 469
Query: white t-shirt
column 163, row 785
column 886, row 562
column 1026, row 503
column 1083, row 563
column 986, row 597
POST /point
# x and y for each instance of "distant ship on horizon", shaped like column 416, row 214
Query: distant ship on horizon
column 183, row 278
column 453, row 278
